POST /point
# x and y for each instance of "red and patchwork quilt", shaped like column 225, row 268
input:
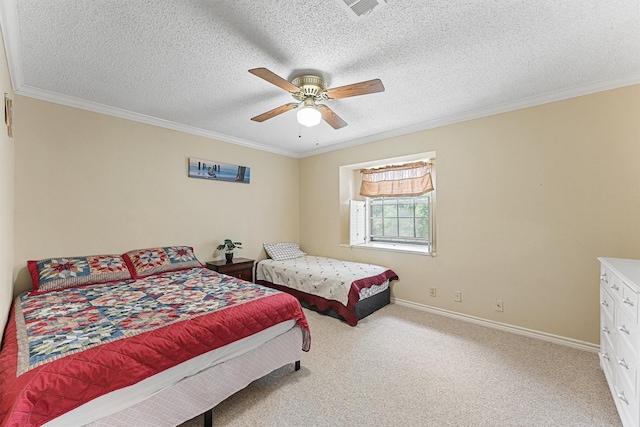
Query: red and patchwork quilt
column 67, row 347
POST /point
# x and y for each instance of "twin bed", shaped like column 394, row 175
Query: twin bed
column 346, row 290
column 147, row 338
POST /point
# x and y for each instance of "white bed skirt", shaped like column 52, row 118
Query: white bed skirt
column 193, row 388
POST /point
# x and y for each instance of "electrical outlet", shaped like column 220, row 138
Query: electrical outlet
column 432, row 292
column 499, row 305
column 457, row 296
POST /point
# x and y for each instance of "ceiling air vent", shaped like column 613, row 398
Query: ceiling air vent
column 358, row 9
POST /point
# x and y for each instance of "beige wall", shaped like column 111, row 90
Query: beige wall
column 87, row 183
column 527, row 201
column 6, row 204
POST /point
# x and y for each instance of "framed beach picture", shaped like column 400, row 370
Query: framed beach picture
column 217, row 171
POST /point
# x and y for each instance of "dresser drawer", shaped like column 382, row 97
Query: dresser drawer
column 627, row 369
column 242, row 268
column 607, row 357
column 606, row 303
column 244, row 274
column 626, row 403
column 605, row 273
column 615, row 286
column 626, row 329
column 629, row 302
column 607, row 326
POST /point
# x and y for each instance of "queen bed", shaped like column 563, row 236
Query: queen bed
column 149, row 338
column 346, row 290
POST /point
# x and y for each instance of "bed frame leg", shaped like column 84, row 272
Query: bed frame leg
column 208, row 418
column 297, row 365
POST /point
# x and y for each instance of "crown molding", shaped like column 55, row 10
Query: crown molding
column 506, row 107
column 44, row 95
column 574, row 92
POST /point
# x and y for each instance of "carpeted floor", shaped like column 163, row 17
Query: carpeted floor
column 404, row 367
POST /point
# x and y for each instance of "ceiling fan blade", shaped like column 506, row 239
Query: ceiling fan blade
column 275, row 79
column 330, row 117
column 276, row 111
column 355, row 89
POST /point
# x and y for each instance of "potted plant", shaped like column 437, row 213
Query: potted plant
column 229, row 246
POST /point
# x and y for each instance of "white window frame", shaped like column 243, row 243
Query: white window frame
column 359, row 224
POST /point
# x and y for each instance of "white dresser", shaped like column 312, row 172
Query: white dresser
column 620, row 334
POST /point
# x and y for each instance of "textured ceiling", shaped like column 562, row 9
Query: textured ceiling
column 183, row 65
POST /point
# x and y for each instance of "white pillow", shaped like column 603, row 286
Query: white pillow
column 283, row 251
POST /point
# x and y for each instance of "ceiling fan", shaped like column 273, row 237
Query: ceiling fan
column 307, row 90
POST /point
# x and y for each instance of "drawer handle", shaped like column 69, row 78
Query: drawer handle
column 605, row 303
column 606, row 330
column 614, row 287
column 606, row 356
column 624, row 329
column 623, row 363
column 622, row 397
column 628, row 301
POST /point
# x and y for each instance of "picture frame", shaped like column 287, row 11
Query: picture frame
column 217, row 171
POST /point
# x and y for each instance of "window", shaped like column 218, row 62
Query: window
column 400, row 219
column 397, row 212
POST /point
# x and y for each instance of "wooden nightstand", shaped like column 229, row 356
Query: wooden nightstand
column 242, row 268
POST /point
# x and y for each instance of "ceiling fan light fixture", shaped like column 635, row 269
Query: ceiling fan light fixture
column 309, row 116
column 307, row 89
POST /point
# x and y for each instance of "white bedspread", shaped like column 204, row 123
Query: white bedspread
column 324, row 277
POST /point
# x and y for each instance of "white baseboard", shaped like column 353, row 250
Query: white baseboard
column 569, row 342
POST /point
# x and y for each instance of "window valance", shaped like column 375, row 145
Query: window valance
column 410, row 179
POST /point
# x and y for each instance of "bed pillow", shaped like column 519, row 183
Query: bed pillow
column 52, row 274
column 283, row 251
column 145, row 262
